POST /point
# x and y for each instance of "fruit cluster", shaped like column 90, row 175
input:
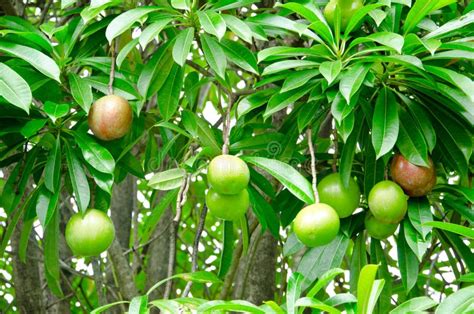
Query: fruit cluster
column 228, row 177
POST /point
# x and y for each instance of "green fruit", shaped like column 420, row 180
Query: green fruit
column 110, row 117
column 348, row 9
column 387, row 202
column 415, row 180
column 89, row 235
column 377, row 229
column 316, row 225
column 228, row 174
column 333, row 192
column 227, row 207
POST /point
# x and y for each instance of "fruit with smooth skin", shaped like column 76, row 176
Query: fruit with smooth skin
column 316, row 225
column 228, row 174
column 414, row 180
column 228, row 207
column 89, row 235
column 110, row 117
column 387, row 202
column 348, row 9
column 377, row 229
column 343, row 199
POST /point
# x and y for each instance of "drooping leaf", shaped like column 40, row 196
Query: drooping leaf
column 182, row 45
column 385, row 123
column 125, row 20
column 214, row 55
column 14, row 88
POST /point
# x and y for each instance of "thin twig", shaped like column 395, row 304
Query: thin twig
column 98, row 281
column 226, row 128
column 136, row 248
column 313, row 164
column 112, row 68
column 181, row 199
column 336, row 149
column 197, row 239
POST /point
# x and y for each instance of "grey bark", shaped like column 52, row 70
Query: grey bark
column 158, row 255
column 123, row 271
column 122, row 204
column 26, row 276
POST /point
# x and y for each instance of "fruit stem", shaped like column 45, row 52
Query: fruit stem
column 313, row 165
column 226, row 127
column 112, row 68
column 336, row 148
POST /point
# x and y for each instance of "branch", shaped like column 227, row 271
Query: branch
column 112, row 68
column 197, row 239
column 336, row 149
column 313, row 164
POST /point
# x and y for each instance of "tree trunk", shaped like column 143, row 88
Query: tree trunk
column 122, row 204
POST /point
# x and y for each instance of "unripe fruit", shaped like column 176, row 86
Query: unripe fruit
column 227, row 207
column 110, row 117
column 415, row 180
column 348, row 9
column 89, row 235
column 316, row 225
column 228, row 174
column 387, row 202
column 333, row 192
column 377, row 229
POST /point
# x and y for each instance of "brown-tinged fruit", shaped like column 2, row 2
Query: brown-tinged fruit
column 110, row 117
column 415, row 180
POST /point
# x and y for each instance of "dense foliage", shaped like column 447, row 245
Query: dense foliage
column 298, row 93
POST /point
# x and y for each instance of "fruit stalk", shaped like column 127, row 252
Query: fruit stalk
column 336, row 148
column 226, row 127
column 313, row 165
column 112, row 68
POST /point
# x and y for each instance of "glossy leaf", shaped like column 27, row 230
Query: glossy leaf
column 53, row 167
column 78, row 179
column 352, row 80
column 167, row 180
column 212, row 23
column 55, row 111
column 330, row 70
column 96, row 155
column 81, row 91
column 407, row 261
column 454, row 228
column 414, row 305
column 458, row 302
column 182, row 45
column 125, row 20
column 214, row 55
column 365, row 288
column 385, row 124
column 168, row 95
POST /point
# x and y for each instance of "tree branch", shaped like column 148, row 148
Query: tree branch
column 313, row 165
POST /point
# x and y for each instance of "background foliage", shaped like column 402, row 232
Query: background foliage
column 398, row 78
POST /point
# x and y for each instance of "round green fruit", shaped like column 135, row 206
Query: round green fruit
column 316, row 225
column 228, row 207
column 348, row 9
column 343, row 199
column 415, row 180
column 228, row 174
column 110, row 117
column 387, row 202
column 89, row 235
column 377, row 229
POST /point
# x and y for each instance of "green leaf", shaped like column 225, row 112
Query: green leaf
column 151, row 221
column 181, row 4
column 14, row 88
column 461, row 81
column 138, row 305
column 358, row 17
column 348, row 152
column 102, row 308
column 212, row 23
column 81, row 91
column 467, row 193
column 265, row 213
column 324, row 280
column 25, row 238
column 358, row 260
column 420, row 9
column 96, row 155
column 51, row 255
column 229, row 306
column 287, row 175
column 55, row 111
column 32, row 127
column 67, row 3
column 352, row 80
column 125, row 20
column 391, row 40
column 298, row 79
column 240, row 55
column 227, row 248
column 411, row 141
column 316, row 304
column 292, row 245
column 319, row 260
column 46, row 204
column 254, row 100
column 282, row 100
column 52, row 171
column 168, row 95
column 287, row 64
column 365, row 288
column 166, row 306
column 37, row 59
column 223, row 5
column 457, row 303
column 293, row 291
column 182, row 45
column 422, row 121
column 419, row 213
column 167, row 180
column 414, row 305
column 407, row 261
column 452, row 26
column 238, row 27
column 415, row 241
column 78, row 178
column 201, row 130
column 330, row 70
column 151, row 31
column 214, row 55
column 385, row 123
column 454, row 228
